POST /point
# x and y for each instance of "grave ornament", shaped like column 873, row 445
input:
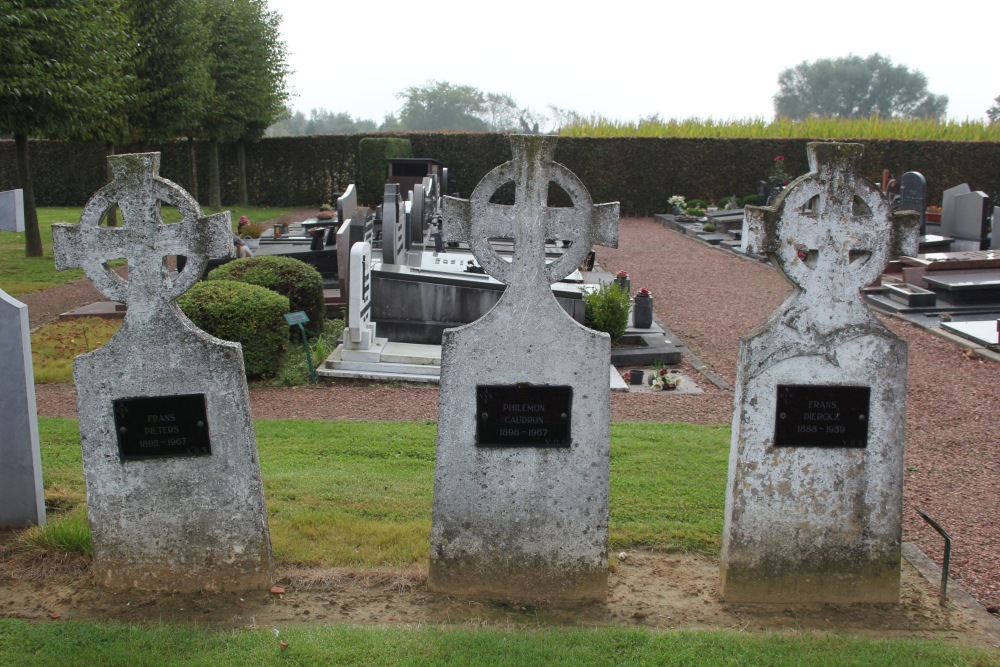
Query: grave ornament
column 22, row 496
column 521, row 473
column 814, row 494
column 174, row 493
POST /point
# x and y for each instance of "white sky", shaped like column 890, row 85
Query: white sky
column 627, row 58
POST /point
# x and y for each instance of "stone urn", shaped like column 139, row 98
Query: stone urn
column 642, row 310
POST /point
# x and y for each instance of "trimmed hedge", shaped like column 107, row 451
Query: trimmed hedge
column 372, row 170
column 639, row 172
column 250, row 315
column 300, row 283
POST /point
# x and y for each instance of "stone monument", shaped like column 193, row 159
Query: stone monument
column 174, row 492
column 815, row 491
column 22, row 496
column 521, row 473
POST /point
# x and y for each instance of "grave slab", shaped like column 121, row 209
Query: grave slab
column 524, row 406
column 983, row 332
column 815, row 486
column 174, row 494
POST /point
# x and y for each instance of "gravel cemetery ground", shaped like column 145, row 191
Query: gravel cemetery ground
column 708, row 298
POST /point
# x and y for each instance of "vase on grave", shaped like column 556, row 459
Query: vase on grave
column 253, row 244
column 624, row 283
column 642, row 312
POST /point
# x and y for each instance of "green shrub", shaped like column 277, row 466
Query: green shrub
column 299, row 282
column 247, row 314
column 606, row 309
column 708, row 227
column 372, row 168
column 696, row 211
column 696, row 203
column 751, row 200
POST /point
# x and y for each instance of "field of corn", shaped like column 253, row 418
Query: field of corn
column 785, row 128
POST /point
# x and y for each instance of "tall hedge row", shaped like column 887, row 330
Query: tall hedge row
column 640, row 172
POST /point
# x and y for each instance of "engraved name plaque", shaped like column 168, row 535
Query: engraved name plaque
column 162, row 426
column 821, row 416
column 523, row 416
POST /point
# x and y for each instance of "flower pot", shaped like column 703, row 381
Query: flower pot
column 635, row 377
column 253, row 244
column 624, row 283
column 642, row 312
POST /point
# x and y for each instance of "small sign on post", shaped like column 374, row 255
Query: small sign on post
column 299, row 317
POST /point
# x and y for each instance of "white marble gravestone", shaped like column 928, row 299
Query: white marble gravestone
column 815, row 490
column 359, row 335
column 22, row 496
column 174, row 492
column 521, row 472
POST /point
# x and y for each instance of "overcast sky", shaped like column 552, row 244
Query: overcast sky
column 628, row 58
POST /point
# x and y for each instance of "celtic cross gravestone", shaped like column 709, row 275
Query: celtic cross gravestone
column 815, row 490
column 174, row 492
column 521, row 473
column 22, row 498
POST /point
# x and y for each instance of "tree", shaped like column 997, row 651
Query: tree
column 248, row 71
column 856, row 87
column 993, row 113
column 438, row 105
column 62, row 70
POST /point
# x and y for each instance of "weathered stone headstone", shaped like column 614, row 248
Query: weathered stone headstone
column 521, row 474
column 174, row 492
column 913, row 196
column 970, row 221
column 815, row 490
column 22, row 496
column 394, row 240
column 948, row 206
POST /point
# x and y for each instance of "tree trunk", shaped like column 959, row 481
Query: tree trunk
column 193, row 186
column 112, row 214
column 214, row 184
column 241, row 155
column 32, row 235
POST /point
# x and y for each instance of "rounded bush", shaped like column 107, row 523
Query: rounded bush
column 301, row 283
column 247, row 314
column 607, row 310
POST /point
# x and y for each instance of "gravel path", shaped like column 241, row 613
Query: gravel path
column 708, row 298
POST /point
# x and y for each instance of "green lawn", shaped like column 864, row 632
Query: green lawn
column 22, row 275
column 86, row 643
column 359, row 493
column 334, row 484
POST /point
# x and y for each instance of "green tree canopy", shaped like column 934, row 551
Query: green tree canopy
column 856, row 87
column 63, row 74
column 171, row 65
column 993, row 113
column 439, row 105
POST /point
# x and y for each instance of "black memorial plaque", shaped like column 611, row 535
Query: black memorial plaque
column 821, row 416
column 523, row 416
column 162, row 426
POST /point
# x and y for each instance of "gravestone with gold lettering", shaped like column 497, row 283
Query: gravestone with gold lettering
column 521, row 472
column 174, row 492
column 815, row 491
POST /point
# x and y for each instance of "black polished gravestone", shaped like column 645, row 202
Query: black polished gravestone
column 913, row 196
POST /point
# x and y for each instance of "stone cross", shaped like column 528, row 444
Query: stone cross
column 524, row 406
column 814, row 496
column 174, row 494
column 22, row 495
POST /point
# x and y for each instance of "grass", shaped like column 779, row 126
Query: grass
column 88, row 643
column 784, row 128
column 23, row 275
column 54, row 345
column 359, row 493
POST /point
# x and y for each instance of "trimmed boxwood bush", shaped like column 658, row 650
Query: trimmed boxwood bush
column 607, row 310
column 301, row 283
column 247, row 314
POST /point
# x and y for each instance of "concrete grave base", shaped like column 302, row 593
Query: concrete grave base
column 178, row 523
